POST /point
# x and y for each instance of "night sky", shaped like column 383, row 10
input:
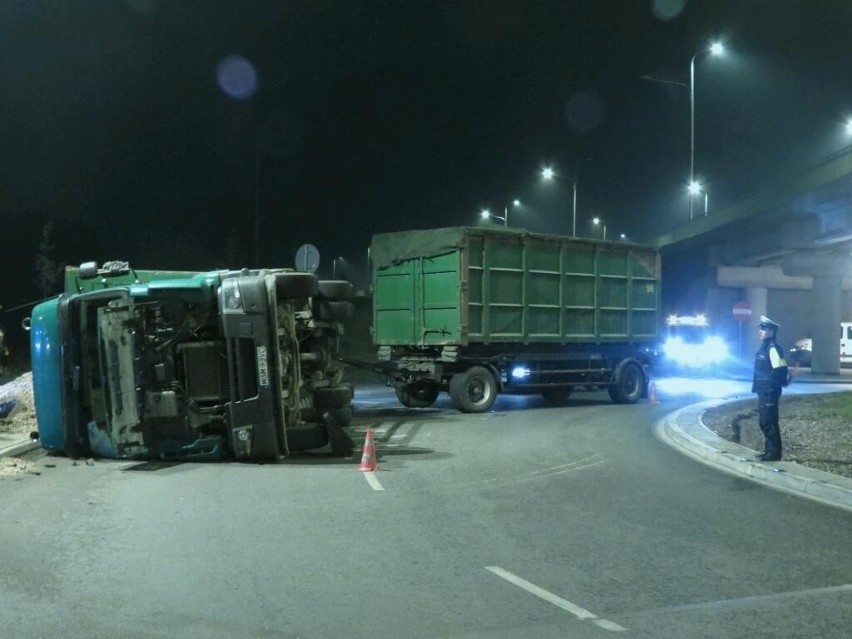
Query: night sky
column 156, row 130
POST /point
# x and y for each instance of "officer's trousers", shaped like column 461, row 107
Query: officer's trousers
column 767, row 408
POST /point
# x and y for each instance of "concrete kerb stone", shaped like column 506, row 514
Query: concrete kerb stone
column 684, row 430
column 17, row 448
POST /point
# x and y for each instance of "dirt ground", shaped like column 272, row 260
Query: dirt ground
column 810, row 435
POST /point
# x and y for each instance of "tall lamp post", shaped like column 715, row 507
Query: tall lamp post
column 714, row 49
column 694, row 189
column 548, row 174
column 485, row 214
column 599, row 222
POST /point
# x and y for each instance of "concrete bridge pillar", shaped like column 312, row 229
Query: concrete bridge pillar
column 827, row 271
column 825, row 357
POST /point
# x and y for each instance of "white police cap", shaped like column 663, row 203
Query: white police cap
column 765, row 321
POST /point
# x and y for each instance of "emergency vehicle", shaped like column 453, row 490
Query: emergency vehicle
column 690, row 342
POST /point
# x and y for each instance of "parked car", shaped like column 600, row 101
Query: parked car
column 800, row 352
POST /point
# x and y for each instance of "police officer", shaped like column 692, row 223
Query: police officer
column 770, row 376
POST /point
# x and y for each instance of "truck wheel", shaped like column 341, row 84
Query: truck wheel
column 417, row 395
column 334, row 396
column 629, row 383
column 473, row 390
column 296, row 285
column 333, row 311
column 335, row 289
column 558, row 396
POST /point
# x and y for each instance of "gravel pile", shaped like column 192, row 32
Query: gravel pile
column 22, row 418
column 823, row 443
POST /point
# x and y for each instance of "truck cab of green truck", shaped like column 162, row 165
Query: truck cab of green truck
column 190, row 365
column 475, row 312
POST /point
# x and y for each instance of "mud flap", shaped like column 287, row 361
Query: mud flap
column 339, row 440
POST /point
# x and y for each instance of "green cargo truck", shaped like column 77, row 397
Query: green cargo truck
column 476, row 312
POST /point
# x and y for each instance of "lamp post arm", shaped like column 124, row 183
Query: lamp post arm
column 660, row 80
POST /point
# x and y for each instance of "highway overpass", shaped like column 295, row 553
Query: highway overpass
column 785, row 250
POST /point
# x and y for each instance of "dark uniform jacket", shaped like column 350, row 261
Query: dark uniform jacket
column 770, row 369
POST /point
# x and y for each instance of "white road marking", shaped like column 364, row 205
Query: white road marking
column 578, row 611
column 745, row 601
column 371, row 479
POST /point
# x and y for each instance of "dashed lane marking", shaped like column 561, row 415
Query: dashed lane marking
column 756, row 599
column 578, row 611
column 374, row 483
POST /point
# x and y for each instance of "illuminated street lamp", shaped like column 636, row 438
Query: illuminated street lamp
column 714, row 49
column 694, row 189
column 599, row 222
column 485, row 214
column 849, row 127
column 548, row 173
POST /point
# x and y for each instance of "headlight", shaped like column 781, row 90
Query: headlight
column 520, row 372
column 231, row 298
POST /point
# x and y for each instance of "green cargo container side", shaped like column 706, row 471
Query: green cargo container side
column 418, row 301
column 490, row 286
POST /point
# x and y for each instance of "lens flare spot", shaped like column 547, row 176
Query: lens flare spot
column 667, row 9
column 237, row 77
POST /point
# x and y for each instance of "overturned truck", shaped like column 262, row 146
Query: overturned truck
column 475, row 312
column 187, row 365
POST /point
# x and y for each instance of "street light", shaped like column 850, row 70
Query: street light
column 599, row 222
column 547, row 173
column 716, row 48
column 485, row 214
column 694, row 188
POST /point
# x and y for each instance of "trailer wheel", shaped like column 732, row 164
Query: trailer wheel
column 420, row 394
column 628, row 384
column 473, row 390
column 296, row 285
column 558, row 396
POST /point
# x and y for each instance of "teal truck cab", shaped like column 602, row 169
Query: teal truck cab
column 184, row 365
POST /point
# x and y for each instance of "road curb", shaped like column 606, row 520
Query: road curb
column 684, row 430
column 18, row 448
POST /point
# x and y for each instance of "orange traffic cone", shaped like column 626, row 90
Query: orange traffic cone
column 652, row 394
column 368, row 457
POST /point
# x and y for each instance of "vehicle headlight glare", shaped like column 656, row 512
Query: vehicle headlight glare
column 520, row 372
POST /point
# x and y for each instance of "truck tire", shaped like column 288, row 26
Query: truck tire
column 558, row 396
column 335, row 289
column 420, row 394
column 325, row 310
column 334, row 396
column 473, row 390
column 296, row 285
column 628, row 384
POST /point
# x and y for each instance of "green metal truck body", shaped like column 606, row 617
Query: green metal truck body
column 537, row 313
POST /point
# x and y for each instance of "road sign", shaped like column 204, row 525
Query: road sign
column 742, row 311
column 307, row 258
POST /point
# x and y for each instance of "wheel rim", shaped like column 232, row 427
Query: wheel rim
column 632, row 382
column 478, row 390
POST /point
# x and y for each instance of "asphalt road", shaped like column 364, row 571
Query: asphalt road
column 529, row 521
